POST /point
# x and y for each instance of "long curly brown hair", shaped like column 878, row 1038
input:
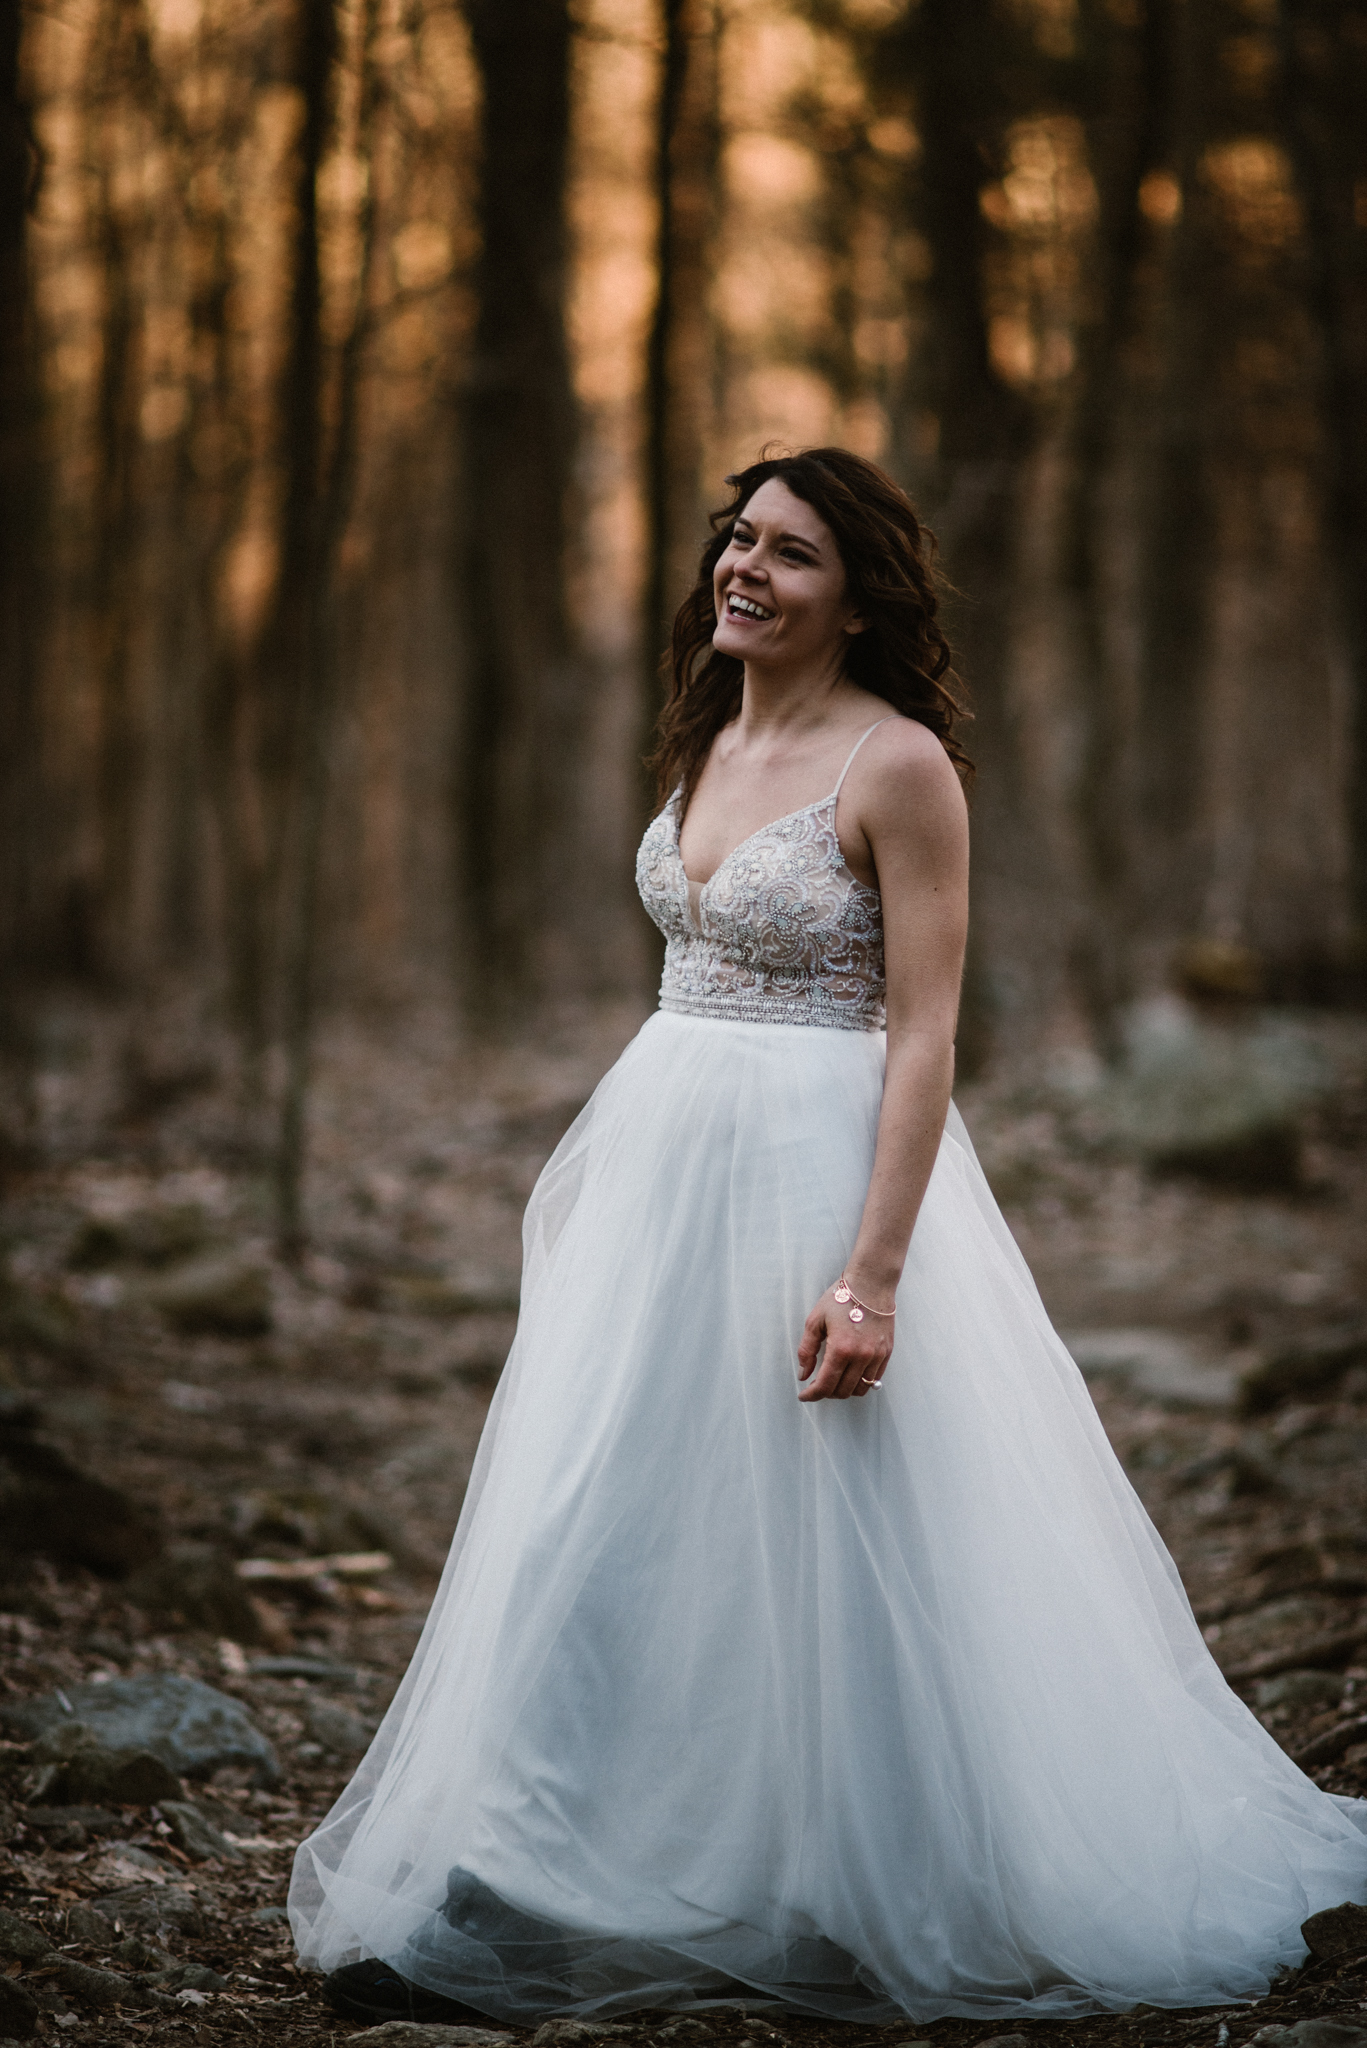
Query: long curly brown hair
column 902, row 656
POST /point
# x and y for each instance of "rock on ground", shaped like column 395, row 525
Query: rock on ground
column 336, row 1728
column 18, row 2011
column 410, row 2034
column 195, row 1585
column 220, row 1297
column 191, row 1726
column 157, row 1910
column 20, row 1942
column 1311, row 2034
column 104, row 1988
column 94, row 1776
column 196, row 1835
column 1339, row 1931
column 50, row 1508
column 567, row 2033
column 1156, row 1363
column 1299, row 1689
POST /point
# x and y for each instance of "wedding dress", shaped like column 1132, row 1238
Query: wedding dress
column 876, row 1708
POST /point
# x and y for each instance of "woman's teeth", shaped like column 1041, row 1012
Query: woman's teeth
column 747, row 608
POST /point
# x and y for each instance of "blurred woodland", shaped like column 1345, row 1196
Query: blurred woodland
column 367, row 368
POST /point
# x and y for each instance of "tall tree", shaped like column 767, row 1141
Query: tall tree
column 679, row 353
column 1177, row 516
column 17, row 502
column 1121, row 88
column 954, row 58
column 522, row 682
column 116, row 507
column 1324, row 66
column 334, row 465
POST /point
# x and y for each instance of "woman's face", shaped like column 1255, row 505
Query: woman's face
column 780, row 586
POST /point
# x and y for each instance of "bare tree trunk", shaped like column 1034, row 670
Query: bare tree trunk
column 19, row 597
column 18, row 504
column 117, row 520
column 517, row 785
column 1178, row 520
column 317, row 708
column 1324, row 70
column 985, row 429
column 678, row 361
column 1124, row 90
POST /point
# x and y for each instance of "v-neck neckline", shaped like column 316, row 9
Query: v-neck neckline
column 740, row 844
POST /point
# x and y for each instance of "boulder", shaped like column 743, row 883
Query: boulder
column 155, row 1910
column 1302, row 1370
column 187, row 1977
column 61, row 1739
column 1338, row 1931
column 1299, row 1689
column 301, row 1519
column 95, row 1820
column 412, row 2034
column 426, row 1294
column 18, row 2011
column 1219, row 1102
column 144, row 1234
column 191, row 1726
column 195, row 1835
column 195, row 1585
column 339, row 1730
column 95, row 1775
column 94, row 1929
column 58, row 1830
column 567, row 2033
column 103, row 1988
column 1155, row 1363
column 136, row 1954
column 305, row 1667
column 218, row 1297
column 50, row 1507
column 1277, row 1625
column 21, row 1941
column 1311, row 2034
column 1334, row 1743
column 33, row 1321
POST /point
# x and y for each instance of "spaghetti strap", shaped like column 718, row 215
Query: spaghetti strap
column 855, row 749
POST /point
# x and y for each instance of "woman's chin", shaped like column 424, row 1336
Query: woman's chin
column 733, row 640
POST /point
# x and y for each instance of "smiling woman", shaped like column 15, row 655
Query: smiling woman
column 742, row 1683
column 874, row 547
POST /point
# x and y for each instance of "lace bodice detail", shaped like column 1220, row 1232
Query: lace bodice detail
column 783, row 933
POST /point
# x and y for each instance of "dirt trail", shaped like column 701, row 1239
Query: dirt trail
column 253, row 1416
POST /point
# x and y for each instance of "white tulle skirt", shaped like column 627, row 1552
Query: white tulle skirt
column 881, row 1707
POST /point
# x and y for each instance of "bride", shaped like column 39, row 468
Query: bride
column 802, row 1639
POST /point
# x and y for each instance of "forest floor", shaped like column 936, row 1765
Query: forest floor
column 342, row 1417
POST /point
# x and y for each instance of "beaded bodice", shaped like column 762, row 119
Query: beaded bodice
column 782, row 933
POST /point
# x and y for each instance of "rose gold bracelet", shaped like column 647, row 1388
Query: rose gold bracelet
column 844, row 1292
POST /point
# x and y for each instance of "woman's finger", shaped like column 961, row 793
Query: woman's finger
column 813, row 1331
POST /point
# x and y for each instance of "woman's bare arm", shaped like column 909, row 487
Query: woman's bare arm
column 911, row 811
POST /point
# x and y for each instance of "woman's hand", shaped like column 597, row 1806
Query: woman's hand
column 856, row 1353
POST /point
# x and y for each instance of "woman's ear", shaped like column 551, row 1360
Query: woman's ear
column 856, row 623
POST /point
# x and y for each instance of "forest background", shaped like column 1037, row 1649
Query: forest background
column 368, row 367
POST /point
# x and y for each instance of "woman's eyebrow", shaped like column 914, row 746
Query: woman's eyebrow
column 800, row 538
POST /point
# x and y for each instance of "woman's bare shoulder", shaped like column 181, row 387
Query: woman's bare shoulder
column 910, row 778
